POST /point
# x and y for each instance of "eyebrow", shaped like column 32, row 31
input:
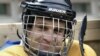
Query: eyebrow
column 41, row 23
column 46, row 24
column 61, row 28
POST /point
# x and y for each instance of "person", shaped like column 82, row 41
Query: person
column 48, row 30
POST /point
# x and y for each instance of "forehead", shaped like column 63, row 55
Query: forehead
column 49, row 21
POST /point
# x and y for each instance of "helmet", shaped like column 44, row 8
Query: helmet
column 47, row 27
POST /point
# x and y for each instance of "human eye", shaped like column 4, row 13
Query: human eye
column 61, row 30
column 45, row 28
column 58, row 30
column 42, row 28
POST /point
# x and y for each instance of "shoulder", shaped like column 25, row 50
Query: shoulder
column 89, row 51
column 15, row 50
column 75, row 49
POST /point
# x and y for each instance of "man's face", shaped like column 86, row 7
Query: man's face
column 46, row 34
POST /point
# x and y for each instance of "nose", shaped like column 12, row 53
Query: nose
column 49, row 36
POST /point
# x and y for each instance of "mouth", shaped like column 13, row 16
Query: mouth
column 46, row 45
column 51, row 48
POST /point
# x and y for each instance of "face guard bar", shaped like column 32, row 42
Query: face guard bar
column 66, row 41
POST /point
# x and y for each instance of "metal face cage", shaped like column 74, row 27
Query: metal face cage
column 47, row 36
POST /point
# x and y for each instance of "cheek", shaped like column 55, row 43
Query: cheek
column 35, row 36
column 60, row 39
column 34, row 40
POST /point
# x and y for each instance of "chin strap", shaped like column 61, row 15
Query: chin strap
column 41, row 53
column 82, row 34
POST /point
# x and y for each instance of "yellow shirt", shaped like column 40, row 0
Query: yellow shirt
column 18, row 50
